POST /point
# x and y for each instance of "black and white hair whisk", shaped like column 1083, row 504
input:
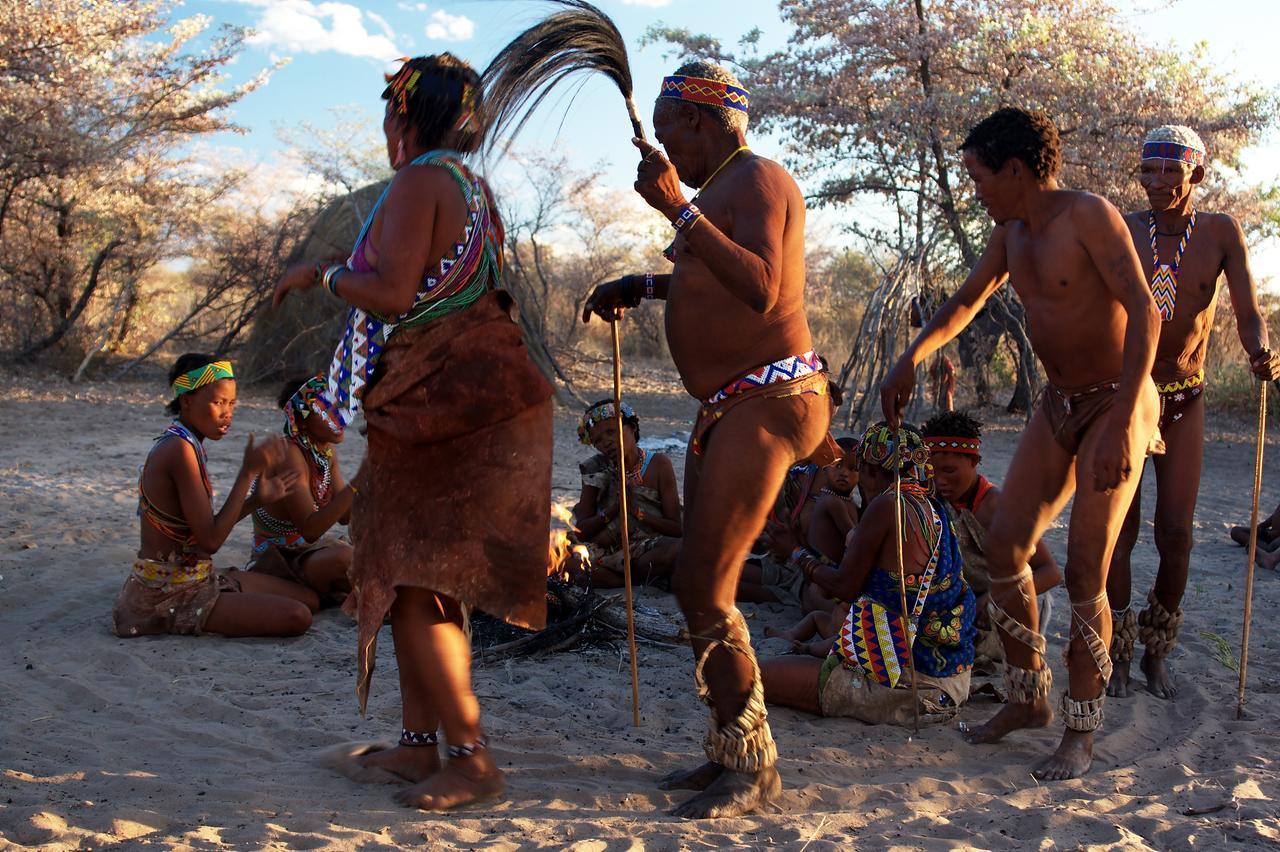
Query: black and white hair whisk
column 578, row 37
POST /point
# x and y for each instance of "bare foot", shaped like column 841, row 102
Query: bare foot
column 1072, row 759
column 412, row 763
column 463, row 781
column 691, row 779
column 1011, row 717
column 1159, row 680
column 733, row 794
column 1118, row 686
column 771, row 632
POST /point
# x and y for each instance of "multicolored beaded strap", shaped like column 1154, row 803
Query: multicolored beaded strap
column 782, row 370
column 1164, row 277
column 201, row 376
column 1172, row 151
column 700, row 90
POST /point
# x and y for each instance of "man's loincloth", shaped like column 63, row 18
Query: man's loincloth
column 453, row 492
column 786, row 377
column 1177, row 396
column 168, row 597
column 843, row 691
column 1072, row 413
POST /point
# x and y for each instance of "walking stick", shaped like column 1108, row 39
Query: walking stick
column 626, row 519
column 1253, row 545
column 902, row 582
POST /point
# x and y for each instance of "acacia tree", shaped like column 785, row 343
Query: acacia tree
column 873, row 97
column 96, row 97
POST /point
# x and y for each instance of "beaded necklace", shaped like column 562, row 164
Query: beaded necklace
column 1164, row 277
column 635, row 476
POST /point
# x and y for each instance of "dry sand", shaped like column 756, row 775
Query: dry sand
column 178, row 742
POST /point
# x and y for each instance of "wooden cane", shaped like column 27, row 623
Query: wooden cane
column 899, row 534
column 624, row 515
column 1253, row 545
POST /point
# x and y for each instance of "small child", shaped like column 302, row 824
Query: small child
column 173, row 587
column 836, row 513
column 289, row 538
column 653, row 502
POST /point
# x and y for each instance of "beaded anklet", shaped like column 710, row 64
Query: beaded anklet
column 468, row 749
column 415, row 738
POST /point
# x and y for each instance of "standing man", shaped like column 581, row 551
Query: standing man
column 1187, row 251
column 1093, row 324
column 737, row 331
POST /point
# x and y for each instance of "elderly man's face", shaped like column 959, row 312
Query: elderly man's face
column 1168, row 184
column 674, row 127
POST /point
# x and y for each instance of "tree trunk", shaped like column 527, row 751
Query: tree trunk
column 77, row 309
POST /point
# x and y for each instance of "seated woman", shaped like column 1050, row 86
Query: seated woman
column 653, row 503
column 867, row 674
column 173, row 587
column 954, row 440
column 289, row 538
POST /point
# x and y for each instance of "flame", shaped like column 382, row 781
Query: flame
column 562, row 514
column 564, row 554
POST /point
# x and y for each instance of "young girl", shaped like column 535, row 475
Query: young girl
column 653, row 502
column 173, row 587
column 289, row 534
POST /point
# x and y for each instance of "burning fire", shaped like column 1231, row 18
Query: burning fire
column 564, row 556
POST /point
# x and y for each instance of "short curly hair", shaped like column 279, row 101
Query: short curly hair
column 952, row 424
column 1012, row 133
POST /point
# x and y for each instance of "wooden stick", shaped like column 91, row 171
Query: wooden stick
column 623, row 514
column 899, row 535
column 1253, row 545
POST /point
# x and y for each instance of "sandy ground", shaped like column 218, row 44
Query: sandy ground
column 202, row 743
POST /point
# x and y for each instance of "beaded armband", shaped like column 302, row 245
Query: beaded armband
column 649, row 286
column 686, row 217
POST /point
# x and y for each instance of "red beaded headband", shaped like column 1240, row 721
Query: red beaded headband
column 948, row 444
column 703, row 91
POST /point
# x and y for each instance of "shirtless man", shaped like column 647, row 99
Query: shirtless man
column 1186, row 252
column 1093, row 324
column 737, row 331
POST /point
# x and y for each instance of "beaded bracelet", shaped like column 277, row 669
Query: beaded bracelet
column 648, row 286
column 330, row 278
column 688, row 214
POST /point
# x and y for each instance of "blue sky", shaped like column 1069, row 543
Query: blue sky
column 338, row 50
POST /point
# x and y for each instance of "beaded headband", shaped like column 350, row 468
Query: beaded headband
column 896, row 449
column 312, row 398
column 949, row 444
column 597, row 414
column 1172, row 151
column 700, row 90
column 201, row 376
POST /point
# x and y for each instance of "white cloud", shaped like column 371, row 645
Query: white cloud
column 652, row 4
column 412, row 7
column 301, row 26
column 446, row 27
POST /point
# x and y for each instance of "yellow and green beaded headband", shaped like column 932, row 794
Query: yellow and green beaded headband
column 201, row 376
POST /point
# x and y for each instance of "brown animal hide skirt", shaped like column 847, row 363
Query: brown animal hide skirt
column 455, row 489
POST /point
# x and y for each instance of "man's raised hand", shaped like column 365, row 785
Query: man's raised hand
column 895, row 391
column 657, row 180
